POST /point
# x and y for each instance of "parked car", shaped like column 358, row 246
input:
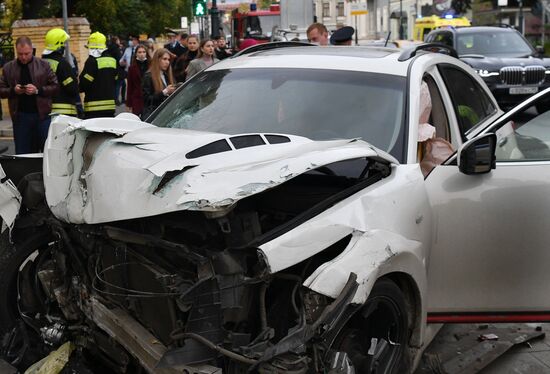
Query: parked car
column 506, row 61
column 250, row 226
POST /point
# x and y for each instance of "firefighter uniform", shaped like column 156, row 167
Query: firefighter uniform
column 65, row 101
column 97, row 79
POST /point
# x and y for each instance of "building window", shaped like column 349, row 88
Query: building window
column 340, row 9
column 326, row 10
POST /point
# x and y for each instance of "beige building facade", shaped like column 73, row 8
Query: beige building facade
column 36, row 29
column 383, row 16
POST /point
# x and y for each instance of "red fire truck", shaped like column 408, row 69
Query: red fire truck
column 254, row 24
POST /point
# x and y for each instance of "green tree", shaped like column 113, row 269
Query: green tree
column 461, row 6
column 13, row 11
column 116, row 17
column 264, row 4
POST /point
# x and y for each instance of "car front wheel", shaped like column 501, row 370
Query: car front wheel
column 376, row 337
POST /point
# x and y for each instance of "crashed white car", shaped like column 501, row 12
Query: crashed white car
column 291, row 210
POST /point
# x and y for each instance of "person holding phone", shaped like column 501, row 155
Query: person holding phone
column 158, row 82
column 29, row 84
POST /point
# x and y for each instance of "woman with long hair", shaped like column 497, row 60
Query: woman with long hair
column 205, row 58
column 134, row 94
column 183, row 61
column 158, row 82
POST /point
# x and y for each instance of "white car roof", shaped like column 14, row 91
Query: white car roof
column 367, row 59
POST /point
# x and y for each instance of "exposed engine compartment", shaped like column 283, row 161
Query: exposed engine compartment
column 190, row 290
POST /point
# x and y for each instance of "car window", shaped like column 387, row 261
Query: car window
column 317, row 104
column 526, row 137
column 501, row 43
column 471, row 104
column 425, row 32
column 443, row 37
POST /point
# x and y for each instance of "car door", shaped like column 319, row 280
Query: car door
column 490, row 252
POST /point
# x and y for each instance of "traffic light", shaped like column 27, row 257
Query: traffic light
column 199, row 8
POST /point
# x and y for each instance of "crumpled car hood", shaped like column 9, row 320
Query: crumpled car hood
column 103, row 170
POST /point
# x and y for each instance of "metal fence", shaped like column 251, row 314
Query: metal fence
column 6, row 48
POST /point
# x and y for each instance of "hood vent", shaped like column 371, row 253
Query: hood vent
column 218, row 146
column 277, row 139
column 245, row 141
column 239, row 142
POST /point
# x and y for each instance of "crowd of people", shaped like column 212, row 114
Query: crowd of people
column 146, row 76
column 138, row 75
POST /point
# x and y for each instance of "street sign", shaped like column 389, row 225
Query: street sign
column 358, row 9
column 183, row 22
column 502, row 2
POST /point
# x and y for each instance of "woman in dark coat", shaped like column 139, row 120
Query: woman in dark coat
column 158, row 82
column 183, row 61
column 140, row 64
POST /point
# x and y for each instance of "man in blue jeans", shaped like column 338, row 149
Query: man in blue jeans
column 29, row 84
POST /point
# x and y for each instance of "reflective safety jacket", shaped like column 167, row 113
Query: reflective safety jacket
column 97, row 81
column 64, row 101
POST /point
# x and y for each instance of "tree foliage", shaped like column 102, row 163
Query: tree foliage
column 115, row 17
column 12, row 11
column 264, row 4
column 461, row 6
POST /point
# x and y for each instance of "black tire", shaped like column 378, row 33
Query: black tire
column 384, row 317
column 11, row 258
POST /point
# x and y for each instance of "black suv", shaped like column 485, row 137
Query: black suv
column 505, row 60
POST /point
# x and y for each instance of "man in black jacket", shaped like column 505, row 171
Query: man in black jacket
column 97, row 79
column 65, row 101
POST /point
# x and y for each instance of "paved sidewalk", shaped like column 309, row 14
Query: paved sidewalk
column 6, row 129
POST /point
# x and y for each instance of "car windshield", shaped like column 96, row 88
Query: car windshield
column 317, row 104
column 494, row 44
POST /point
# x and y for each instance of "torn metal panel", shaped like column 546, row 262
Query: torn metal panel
column 368, row 255
column 120, row 125
column 136, row 339
column 122, row 179
column 10, row 200
column 369, row 209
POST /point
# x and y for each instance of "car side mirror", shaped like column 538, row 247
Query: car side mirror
column 477, row 156
column 540, row 50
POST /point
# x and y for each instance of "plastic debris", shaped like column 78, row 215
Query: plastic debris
column 54, row 362
column 487, row 337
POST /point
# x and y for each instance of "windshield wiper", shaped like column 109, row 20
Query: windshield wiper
column 471, row 55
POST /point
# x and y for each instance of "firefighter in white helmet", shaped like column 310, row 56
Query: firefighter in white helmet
column 97, row 79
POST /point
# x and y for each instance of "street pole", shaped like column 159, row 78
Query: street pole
column 401, row 19
column 356, row 32
column 66, row 27
column 215, row 20
column 543, row 35
column 520, row 2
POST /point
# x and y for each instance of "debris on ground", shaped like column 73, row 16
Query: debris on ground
column 461, row 349
column 483, row 337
